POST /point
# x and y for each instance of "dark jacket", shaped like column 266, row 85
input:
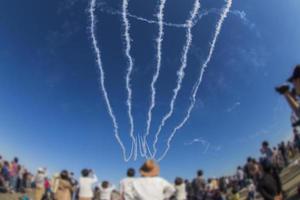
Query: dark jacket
column 268, row 187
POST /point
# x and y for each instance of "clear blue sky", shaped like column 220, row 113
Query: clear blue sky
column 52, row 112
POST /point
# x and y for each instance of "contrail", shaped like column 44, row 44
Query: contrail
column 116, row 12
column 203, row 13
column 159, row 40
column 197, row 84
column 180, row 72
column 129, row 70
column 102, row 77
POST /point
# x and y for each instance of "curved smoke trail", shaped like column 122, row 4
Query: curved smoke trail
column 159, row 40
column 180, row 72
column 199, row 81
column 102, row 76
column 129, row 71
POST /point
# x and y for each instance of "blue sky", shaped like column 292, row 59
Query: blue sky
column 53, row 112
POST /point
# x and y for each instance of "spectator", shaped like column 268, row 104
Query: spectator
column 251, row 190
column 267, row 185
column 96, row 193
column 240, row 177
column 284, row 153
column 198, row 186
column 64, row 189
column 180, row 189
column 86, row 182
column 13, row 174
column 266, row 150
column 106, row 190
column 150, row 186
column 39, row 184
column 126, row 185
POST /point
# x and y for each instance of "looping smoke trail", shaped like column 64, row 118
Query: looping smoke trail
column 129, row 71
column 199, row 81
column 159, row 40
column 102, row 77
column 180, row 72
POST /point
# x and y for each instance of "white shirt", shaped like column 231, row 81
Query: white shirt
column 86, row 186
column 152, row 188
column 105, row 193
column 126, row 188
column 180, row 193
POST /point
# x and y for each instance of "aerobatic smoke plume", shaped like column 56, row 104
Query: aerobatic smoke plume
column 180, row 72
column 199, row 81
column 129, row 72
column 102, row 77
column 159, row 40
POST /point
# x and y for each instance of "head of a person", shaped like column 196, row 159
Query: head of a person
column 105, row 184
column 178, row 181
column 97, row 189
column 85, row 173
column 249, row 160
column 16, row 160
column 295, row 79
column 265, row 144
column 266, row 166
column 200, row 173
column 6, row 163
column 130, row 172
column 149, row 169
column 64, row 175
column 40, row 171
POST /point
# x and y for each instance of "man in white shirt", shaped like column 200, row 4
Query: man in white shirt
column 86, row 183
column 106, row 190
column 150, row 186
column 126, row 185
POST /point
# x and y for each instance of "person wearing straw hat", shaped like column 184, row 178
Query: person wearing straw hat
column 150, row 186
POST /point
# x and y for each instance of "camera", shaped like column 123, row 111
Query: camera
column 282, row 89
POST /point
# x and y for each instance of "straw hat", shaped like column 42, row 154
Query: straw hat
column 149, row 169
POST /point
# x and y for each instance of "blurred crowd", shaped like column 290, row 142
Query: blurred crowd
column 257, row 178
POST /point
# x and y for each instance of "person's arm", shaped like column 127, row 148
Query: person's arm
column 94, row 179
column 169, row 189
column 264, row 193
column 292, row 103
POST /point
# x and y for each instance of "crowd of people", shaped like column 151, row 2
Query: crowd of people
column 258, row 177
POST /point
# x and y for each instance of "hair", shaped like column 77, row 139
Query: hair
column 266, row 166
column 130, row 172
column 249, row 159
column 200, row 173
column 178, row 181
column 16, row 160
column 105, row 184
column 265, row 143
column 85, row 172
column 64, row 175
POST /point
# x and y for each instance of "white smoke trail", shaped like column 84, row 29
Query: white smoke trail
column 159, row 40
column 180, row 72
column 116, row 12
column 129, row 70
column 199, row 81
column 238, row 13
column 102, row 77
